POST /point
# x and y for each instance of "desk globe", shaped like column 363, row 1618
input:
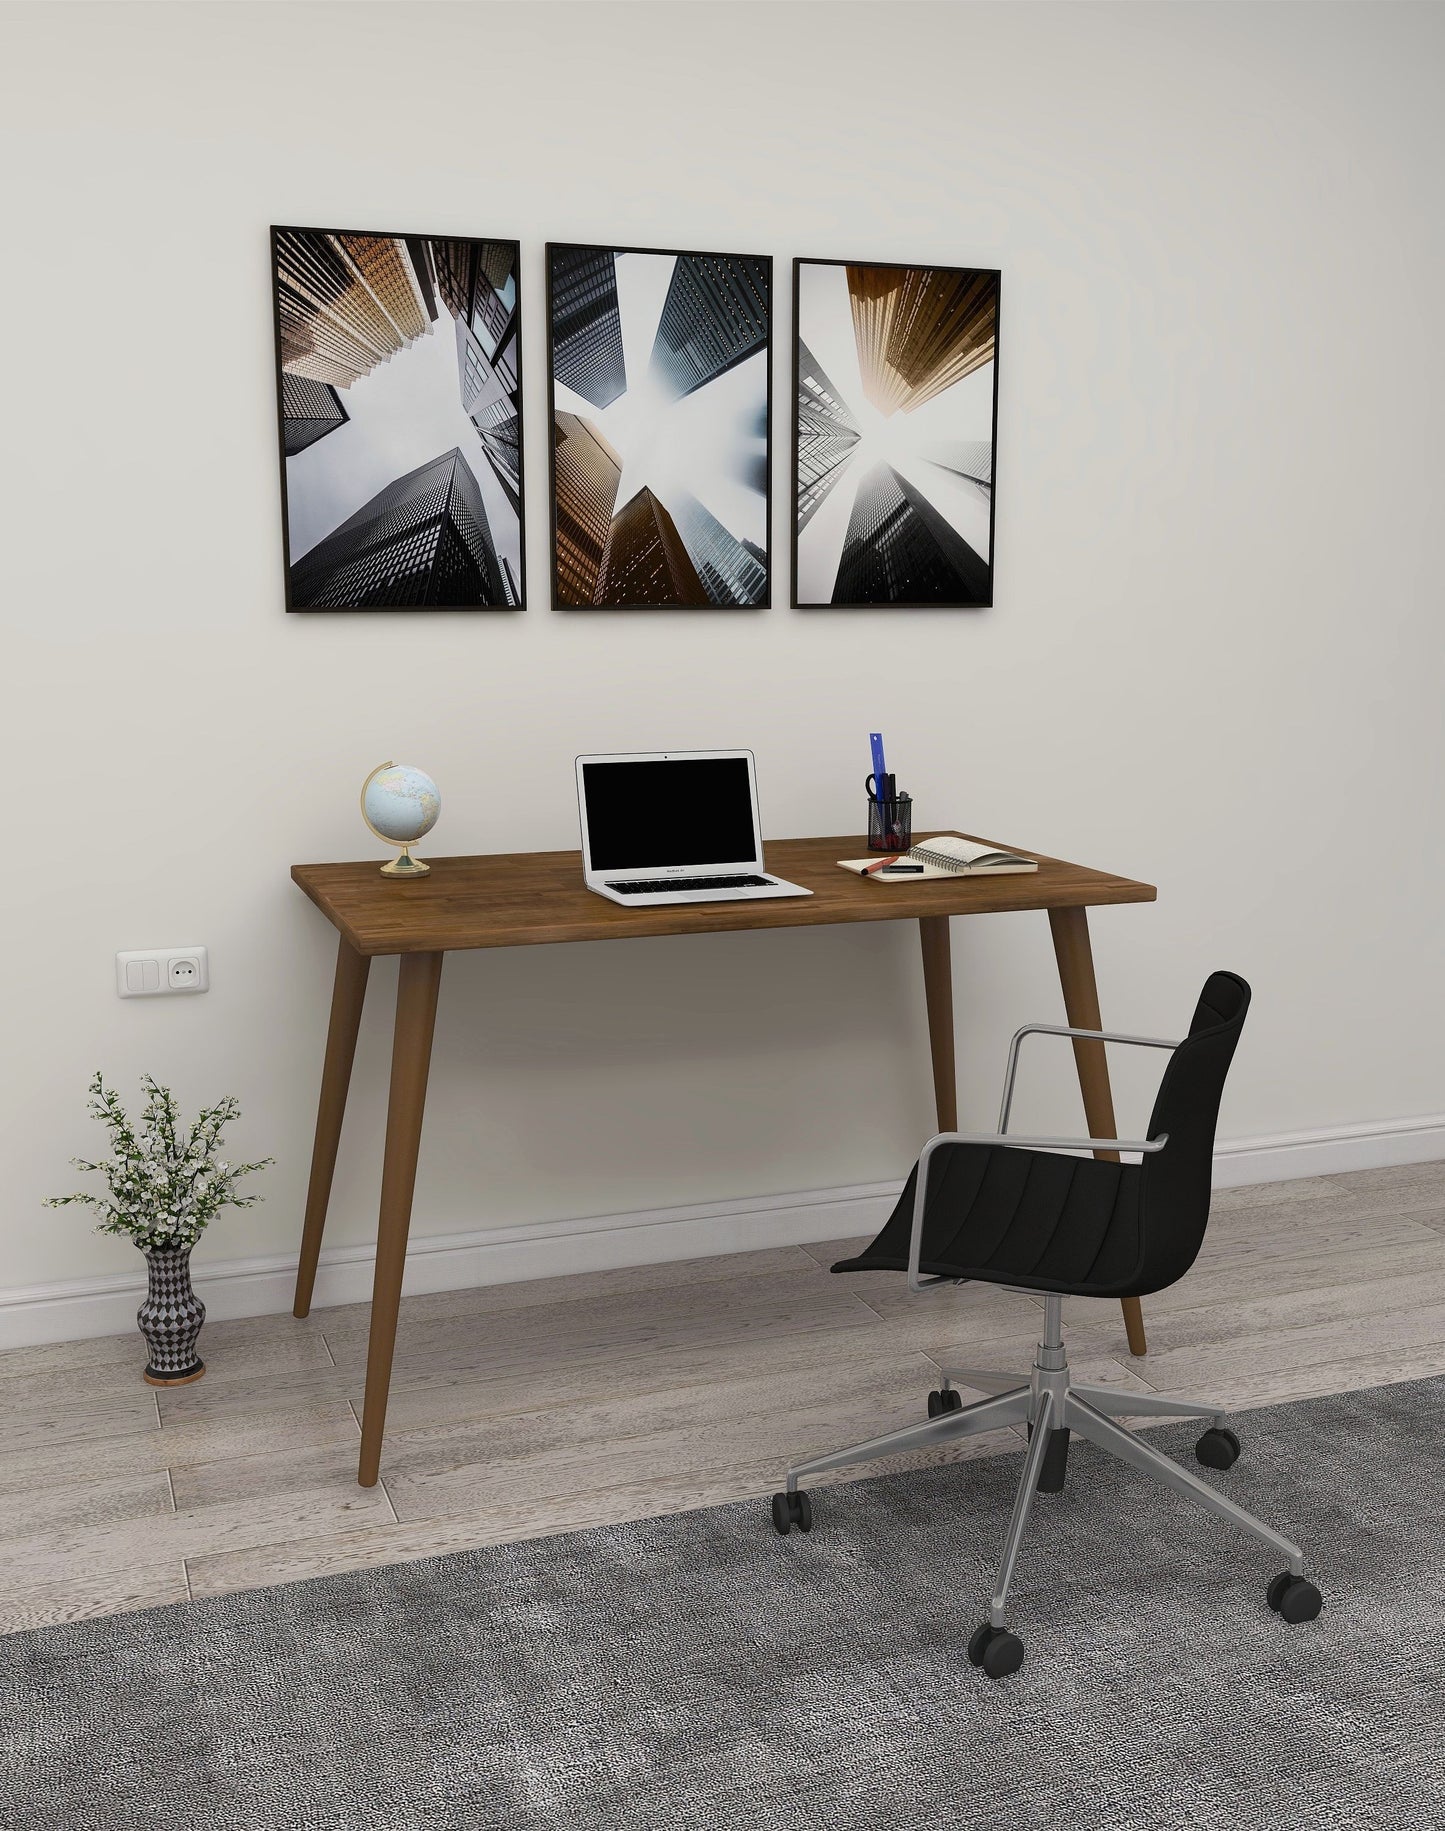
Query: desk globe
column 400, row 805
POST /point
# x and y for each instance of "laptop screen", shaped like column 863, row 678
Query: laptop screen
column 669, row 811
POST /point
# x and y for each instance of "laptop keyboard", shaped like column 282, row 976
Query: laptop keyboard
column 649, row 886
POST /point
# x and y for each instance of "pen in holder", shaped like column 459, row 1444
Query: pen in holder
column 890, row 817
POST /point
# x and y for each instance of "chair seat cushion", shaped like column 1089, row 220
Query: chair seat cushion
column 1033, row 1219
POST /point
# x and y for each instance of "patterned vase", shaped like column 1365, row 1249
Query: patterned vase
column 170, row 1318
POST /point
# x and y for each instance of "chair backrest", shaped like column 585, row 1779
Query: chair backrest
column 1174, row 1196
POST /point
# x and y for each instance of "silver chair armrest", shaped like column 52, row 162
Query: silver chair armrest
column 920, row 1190
column 1096, row 1036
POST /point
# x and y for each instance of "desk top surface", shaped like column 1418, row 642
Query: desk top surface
column 519, row 899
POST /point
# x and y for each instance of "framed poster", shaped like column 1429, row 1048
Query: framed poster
column 399, row 390
column 660, row 377
column 895, row 376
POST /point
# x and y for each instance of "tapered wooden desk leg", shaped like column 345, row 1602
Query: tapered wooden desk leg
column 347, row 997
column 938, row 991
column 1081, row 1004
column 418, row 978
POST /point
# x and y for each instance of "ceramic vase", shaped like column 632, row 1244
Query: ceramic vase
column 170, row 1318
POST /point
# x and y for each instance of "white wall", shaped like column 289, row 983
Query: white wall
column 1214, row 663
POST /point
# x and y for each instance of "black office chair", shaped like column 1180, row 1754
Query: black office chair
column 1001, row 1210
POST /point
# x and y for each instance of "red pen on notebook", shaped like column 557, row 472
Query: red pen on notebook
column 879, row 865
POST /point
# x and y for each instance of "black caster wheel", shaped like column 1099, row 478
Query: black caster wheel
column 996, row 1650
column 1217, row 1448
column 1295, row 1598
column 791, row 1510
column 947, row 1400
column 1056, row 1462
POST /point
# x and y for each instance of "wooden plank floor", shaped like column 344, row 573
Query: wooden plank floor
column 525, row 1409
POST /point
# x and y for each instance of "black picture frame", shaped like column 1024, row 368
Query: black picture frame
column 477, row 562
column 576, row 603
column 976, row 594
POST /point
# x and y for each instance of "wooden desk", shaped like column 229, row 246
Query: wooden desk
column 525, row 898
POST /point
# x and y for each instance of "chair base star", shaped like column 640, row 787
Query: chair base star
column 1052, row 1407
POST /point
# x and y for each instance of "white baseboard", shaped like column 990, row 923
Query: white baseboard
column 77, row 1307
column 1328, row 1152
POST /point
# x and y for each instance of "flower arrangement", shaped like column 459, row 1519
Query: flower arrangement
column 164, row 1184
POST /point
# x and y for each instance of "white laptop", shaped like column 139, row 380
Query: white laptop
column 677, row 826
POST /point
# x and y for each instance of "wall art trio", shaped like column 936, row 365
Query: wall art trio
column 399, row 391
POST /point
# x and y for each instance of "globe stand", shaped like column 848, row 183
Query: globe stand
column 405, row 866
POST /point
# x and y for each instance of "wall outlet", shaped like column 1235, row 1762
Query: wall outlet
column 148, row 972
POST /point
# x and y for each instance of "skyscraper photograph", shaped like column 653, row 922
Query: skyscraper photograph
column 399, row 387
column 896, row 383
column 660, row 369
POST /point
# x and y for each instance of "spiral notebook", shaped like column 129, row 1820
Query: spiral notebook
column 946, row 855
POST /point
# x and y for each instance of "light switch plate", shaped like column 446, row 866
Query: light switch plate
column 155, row 972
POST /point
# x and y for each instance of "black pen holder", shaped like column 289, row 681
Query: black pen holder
column 890, row 823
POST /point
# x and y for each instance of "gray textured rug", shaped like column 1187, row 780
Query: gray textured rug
column 700, row 1672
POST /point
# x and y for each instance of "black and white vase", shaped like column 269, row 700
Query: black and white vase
column 170, row 1318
